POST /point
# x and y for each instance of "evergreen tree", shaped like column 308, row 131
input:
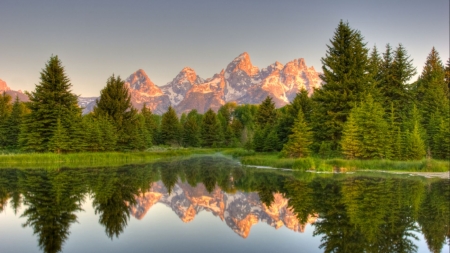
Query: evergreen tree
column 149, row 123
column 170, row 128
column 60, row 140
column 140, row 138
column 51, row 101
column 299, row 140
column 271, row 141
column 5, row 111
column 115, row 104
column 258, row 139
column 266, row 114
column 210, row 129
column 431, row 94
column 415, row 146
column 366, row 135
column 441, row 141
column 395, row 136
column 347, row 79
column 13, row 123
column 373, row 130
column 191, row 132
column 289, row 113
column 351, row 145
column 397, row 71
column 265, row 119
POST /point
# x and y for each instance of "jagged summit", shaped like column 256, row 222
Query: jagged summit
column 240, row 81
column 242, row 63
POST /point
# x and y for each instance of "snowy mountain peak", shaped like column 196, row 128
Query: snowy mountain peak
column 242, row 63
column 181, row 84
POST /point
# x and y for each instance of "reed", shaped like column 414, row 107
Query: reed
column 318, row 164
column 39, row 160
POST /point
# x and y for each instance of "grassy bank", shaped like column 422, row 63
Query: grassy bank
column 51, row 160
column 336, row 164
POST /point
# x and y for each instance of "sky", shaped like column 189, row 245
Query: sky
column 95, row 39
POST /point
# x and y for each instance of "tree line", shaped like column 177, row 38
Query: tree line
column 367, row 108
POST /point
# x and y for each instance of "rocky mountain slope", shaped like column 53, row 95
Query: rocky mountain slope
column 240, row 211
column 240, row 81
column 5, row 89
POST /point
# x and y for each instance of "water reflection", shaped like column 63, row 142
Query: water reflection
column 349, row 213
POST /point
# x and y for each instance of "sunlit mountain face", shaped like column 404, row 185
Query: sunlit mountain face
column 213, row 202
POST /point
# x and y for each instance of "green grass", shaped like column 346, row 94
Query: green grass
column 51, row 160
column 47, row 160
column 317, row 164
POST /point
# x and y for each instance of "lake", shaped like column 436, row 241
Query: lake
column 213, row 204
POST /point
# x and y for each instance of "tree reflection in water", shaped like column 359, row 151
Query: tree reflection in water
column 356, row 213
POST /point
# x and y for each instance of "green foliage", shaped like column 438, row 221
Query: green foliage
column 170, row 128
column 210, row 130
column 11, row 126
column 115, row 104
column 397, row 69
column 299, row 140
column 287, row 116
column 346, row 80
column 266, row 114
column 365, row 132
column 350, row 144
column 5, row 111
column 414, row 146
column 51, row 101
column 191, row 130
column 60, row 139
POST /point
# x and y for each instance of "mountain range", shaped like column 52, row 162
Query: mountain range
column 239, row 82
column 240, row 211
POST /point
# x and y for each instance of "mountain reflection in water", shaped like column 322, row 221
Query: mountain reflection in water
column 239, row 210
column 350, row 213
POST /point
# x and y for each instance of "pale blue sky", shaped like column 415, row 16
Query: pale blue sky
column 95, row 39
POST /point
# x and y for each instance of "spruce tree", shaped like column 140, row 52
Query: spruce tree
column 191, row 132
column 415, row 146
column 299, row 140
column 210, row 129
column 431, row 94
column 115, row 104
column 398, row 70
column 346, row 80
column 351, row 145
column 13, row 123
column 170, row 128
column 50, row 103
column 266, row 114
column 5, row 111
column 150, row 124
column 442, row 140
column 289, row 114
column 373, row 130
column 59, row 142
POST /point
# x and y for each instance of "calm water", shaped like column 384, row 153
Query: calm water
column 212, row 204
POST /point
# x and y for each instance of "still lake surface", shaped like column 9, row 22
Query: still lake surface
column 213, row 204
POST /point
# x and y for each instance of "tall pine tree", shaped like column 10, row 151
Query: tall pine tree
column 170, row 128
column 299, row 140
column 50, row 103
column 346, row 80
column 115, row 104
